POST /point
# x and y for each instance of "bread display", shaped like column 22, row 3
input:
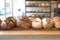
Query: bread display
column 56, row 20
column 47, row 22
column 38, row 5
column 47, row 4
column 43, row 4
column 38, row 21
column 39, row 11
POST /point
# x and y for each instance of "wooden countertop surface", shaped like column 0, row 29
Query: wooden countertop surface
column 29, row 33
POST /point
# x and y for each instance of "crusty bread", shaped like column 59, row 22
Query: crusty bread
column 26, row 19
column 22, row 24
column 47, row 22
column 36, row 23
column 7, row 24
column 56, row 20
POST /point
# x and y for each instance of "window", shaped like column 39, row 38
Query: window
column 18, row 8
column 2, row 9
column 14, row 8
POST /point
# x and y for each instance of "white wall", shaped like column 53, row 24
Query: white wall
column 2, row 9
column 18, row 8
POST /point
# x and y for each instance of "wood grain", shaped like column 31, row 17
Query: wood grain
column 30, row 34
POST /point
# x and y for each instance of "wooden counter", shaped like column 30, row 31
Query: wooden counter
column 30, row 34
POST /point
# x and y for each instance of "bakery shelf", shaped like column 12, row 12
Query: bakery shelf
column 38, row 6
column 37, row 12
column 29, row 34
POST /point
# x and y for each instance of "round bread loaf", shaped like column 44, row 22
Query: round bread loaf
column 47, row 22
column 36, row 23
column 56, row 20
column 7, row 24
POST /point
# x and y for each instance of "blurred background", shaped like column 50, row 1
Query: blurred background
column 18, row 8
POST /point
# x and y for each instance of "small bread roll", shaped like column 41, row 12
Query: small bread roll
column 33, row 11
column 58, row 5
column 39, row 5
column 40, row 11
column 44, row 10
column 48, row 10
column 47, row 4
column 35, row 5
column 32, row 4
column 29, row 4
column 36, row 10
column 43, row 4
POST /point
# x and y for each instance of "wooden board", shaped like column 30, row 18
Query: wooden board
column 30, row 34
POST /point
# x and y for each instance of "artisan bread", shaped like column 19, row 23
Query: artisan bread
column 56, row 20
column 22, row 24
column 47, row 22
column 7, row 24
column 36, row 23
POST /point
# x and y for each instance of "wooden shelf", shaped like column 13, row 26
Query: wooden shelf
column 30, row 34
column 37, row 6
column 37, row 12
column 37, row 0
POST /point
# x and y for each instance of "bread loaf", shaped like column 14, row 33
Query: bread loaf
column 22, row 24
column 56, row 20
column 36, row 23
column 7, row 24
column 47, row 22
column 26, row 19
